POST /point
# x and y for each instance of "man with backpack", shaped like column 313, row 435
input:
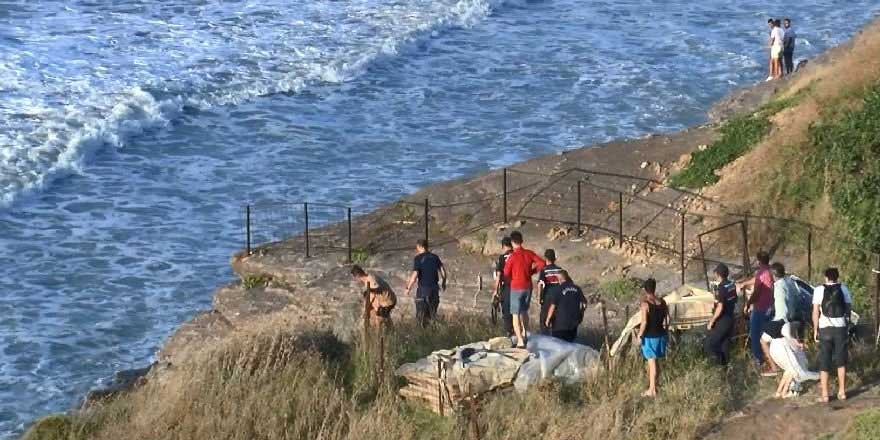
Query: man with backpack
column 832, row 304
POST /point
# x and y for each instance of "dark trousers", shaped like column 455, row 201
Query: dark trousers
column 545, row 306
column 788, row 60
column 566, row 335
column 427, row 303
column 717, row 342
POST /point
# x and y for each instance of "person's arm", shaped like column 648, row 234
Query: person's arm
column 550, row 313
column 538, row 263
column 508, row 266
column 715, row 315
column 413, row 277
column 442, row 273
column 816, row 322
column 541, row 286
column 644, row 324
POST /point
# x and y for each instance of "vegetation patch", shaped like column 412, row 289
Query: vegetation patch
column 864, row 426
column 738, row 136
column 623, row 289
column 254, row 281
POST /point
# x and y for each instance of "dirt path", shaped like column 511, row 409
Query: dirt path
column 799, row 418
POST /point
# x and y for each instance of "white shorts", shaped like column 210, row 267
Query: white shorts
column 775, row 51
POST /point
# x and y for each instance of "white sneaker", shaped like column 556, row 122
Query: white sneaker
column 769, row 78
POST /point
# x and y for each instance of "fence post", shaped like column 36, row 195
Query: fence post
column 703, row 257
column 682, row 248
column 306, row 215
column 747, row 264
column 504, row 191
column 348, row 214
column 877, row 299
column 247, row 221
column 810, row 253
column 579, row 210
column 427, row 219
column 620, row 218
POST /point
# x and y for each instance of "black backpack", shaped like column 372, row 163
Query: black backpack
column 833, row 304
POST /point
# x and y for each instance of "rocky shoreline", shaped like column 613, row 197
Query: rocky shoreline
column 280, row 287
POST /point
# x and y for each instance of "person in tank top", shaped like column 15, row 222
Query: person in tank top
column 652, row 332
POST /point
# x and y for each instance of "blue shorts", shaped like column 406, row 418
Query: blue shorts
column 520, row 300
column 654, row 348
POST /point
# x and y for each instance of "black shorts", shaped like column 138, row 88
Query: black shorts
column 568, row 335
column 833, row 353
column 774, row 328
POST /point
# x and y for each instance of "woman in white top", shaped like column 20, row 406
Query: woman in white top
column 788, row 353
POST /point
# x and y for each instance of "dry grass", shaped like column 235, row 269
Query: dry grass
column 277, row 385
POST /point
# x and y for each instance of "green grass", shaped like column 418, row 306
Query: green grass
column 738, row 136
column 865, row 426
column 622, row 289
column 254, row 281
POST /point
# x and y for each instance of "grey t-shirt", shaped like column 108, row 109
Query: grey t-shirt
column 789, row 39
column 785, row 293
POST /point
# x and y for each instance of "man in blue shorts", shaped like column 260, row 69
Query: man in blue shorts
column 652, row 332
column 428, row 270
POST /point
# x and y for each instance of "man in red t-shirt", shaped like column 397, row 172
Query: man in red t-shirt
column 758, row 308
column 519, row 268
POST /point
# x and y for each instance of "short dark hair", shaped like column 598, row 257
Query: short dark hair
column 832, row 274
column 358, row 271
column 763, row 257
column 770, row 21
column 422, row 243
column 506, row 242
column 550, row 254
column 516, row 237
column 787, row 19
column 778, row 269
column 565, row 275
column 777, row 22
column 722, row 270
column 650, row 285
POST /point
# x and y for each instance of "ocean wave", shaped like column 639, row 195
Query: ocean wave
column 58, row 116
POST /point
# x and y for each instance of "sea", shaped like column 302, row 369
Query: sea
column 133, row 132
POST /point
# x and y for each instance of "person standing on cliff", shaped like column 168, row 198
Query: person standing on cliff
column 379, row 298
column 653, row 334
column 429, row 273
column 501, row 294
column 549, row 282
column 721, row 325
column 788, row 46
column 758, row 307
column 566, row 310
column 777, row 36
column 519, row 269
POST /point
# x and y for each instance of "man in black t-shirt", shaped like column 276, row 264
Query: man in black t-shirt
column 566, row 310
column 430, row 274
column 721, row 325
column 502, row 286
column 549, row 282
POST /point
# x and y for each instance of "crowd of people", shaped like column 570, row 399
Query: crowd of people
column 777, row 316
column 781, row 43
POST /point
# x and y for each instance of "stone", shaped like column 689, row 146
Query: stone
column 240, row 305
column 644, row 165
column 558, row 232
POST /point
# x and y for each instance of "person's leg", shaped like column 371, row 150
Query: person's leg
column 825, row 359
column 422, row 311
column 525, row 303
column 840, row 361
column 756, row 327
column 652, row 377
column 517, row 330
column 434, row 303
column 765, row 348
column 516, row 303
column 712, row 344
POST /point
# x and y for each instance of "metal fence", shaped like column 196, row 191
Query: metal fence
column 632, row 210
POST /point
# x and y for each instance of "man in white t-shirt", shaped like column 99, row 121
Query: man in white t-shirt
column 777, row 38
column 832, row 304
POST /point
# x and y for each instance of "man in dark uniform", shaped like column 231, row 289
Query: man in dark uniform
column 430, row 274
column 502, row 287
column 549, row 282
column 565, row 310
column 721, row 325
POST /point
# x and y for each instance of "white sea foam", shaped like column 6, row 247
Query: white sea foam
column 66, row 93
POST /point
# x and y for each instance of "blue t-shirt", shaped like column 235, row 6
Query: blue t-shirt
column 428, row 265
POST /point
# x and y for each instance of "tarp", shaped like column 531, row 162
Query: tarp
column 451, row 375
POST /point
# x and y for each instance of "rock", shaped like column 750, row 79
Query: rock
column 239, row 305
column 123, row 381
column 473, row 243
column 519, row 223
column 558, row 232
column 702, row 147
column 644, row 165
column 603, row 243
column 204, row 329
